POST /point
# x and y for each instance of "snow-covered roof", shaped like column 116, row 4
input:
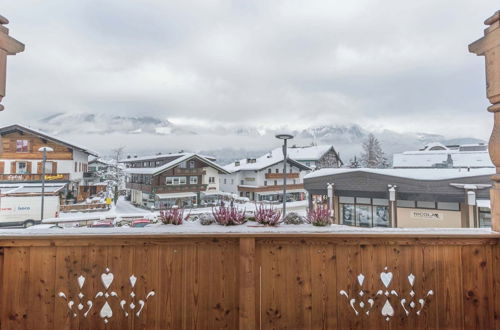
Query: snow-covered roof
column 30, row 188
column 47, row 136
column 269, row 159
column 160, row 156
column 164, row 167
column 429, row 158
column 307, row 153
column 409, row 173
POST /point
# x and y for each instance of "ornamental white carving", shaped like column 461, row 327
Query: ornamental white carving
column 129, row 304
column 362, row 304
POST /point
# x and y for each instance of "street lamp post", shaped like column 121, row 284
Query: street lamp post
column 44, row 150
column 285, row 138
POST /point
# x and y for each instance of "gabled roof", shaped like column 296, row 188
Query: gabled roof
column 173, row 163
column 269, row 159
column 34, row 131
column 309, row 152
column 161, row 156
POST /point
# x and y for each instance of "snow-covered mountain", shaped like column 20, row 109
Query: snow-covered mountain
column 147, row 134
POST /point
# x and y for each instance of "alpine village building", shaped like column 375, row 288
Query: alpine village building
column 182, row 179
column 21, row 162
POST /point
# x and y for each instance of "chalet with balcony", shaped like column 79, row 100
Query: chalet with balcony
column 315, row 157
column 20, row 160
column 161, row 181
column 262, row 179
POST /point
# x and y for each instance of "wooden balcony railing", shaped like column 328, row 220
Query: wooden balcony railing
column 189, row 171
column 34, row 177
column 271, row 188
column 281, row 175
column 347, row 280
column 167, row 189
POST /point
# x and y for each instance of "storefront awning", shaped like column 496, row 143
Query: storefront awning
column 280, row 192
column 176, row 195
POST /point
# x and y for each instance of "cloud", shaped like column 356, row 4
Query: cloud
column 386, row 64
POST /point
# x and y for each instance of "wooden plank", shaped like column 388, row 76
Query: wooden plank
column 477, row 287
column 42, row 287
column 247, row 285
column 67, row 271
column 147, row 269
column 348, row 268
column 449, row 287
column 323, row 287
column 496, row 284
column 373, row 263
column 15, row 284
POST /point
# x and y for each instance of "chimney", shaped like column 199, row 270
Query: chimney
column 135, row 156
column 128, row 157
column 237, row 163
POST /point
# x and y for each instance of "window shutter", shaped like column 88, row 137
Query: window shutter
column 28, row 167
column 39, row 168
column 13, row 167
column 54, row 167
column 2, row 164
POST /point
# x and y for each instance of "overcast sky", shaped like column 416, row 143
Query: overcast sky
column 400, row 65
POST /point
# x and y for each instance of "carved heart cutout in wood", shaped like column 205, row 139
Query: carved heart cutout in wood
column 107, row 279
column 386, row 278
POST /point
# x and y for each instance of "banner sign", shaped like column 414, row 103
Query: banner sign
column 428, row 215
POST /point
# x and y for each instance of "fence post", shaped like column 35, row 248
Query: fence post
column 489, row 47
column 247, row 283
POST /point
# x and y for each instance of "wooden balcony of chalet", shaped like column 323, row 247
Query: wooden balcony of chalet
column 125, row 279
column 282, row 175
column 33, row 177
column 165, row 189
column 189, row 171
column 270, row 188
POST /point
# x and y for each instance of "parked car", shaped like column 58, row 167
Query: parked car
column 102, row 224
column 140, row 223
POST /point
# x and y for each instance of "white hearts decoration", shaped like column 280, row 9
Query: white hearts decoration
column 411, row 279
column 386, row 278
column 106, row 312
column 107, row 279
column 387, row 310
column 361, row 279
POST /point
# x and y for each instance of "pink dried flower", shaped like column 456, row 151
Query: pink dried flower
column 268, row 216
column 173, row 216
column 320, row 216
column 228, row 215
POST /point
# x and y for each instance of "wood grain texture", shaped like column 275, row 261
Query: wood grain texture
column 251, row 283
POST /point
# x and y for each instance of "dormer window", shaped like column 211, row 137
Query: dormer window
column 22, row 146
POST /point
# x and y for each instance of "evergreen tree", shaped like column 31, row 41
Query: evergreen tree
column 354, row 163
column 373, row 156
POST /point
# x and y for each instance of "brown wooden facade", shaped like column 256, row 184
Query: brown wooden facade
column 251, row 281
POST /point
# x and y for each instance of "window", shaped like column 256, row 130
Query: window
column 308, row 164
column 484, row 217
column 232, row 181
column 448, row 206
column 21, row 168
column 22, row 146
column 211, row 179
column 183, row 164
column 242, row 182
column 277, row 170
column 193, row 180
column 265, row 183
column 175, row 180
column 403, row 203
column 225, row 181
column 145, row 164
column 275, row 182
column 48, row 167
column 364, row 212
column 426, row 205
column 294, row 181
column 191, row 164
column 268, row 170
column 76, row 167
